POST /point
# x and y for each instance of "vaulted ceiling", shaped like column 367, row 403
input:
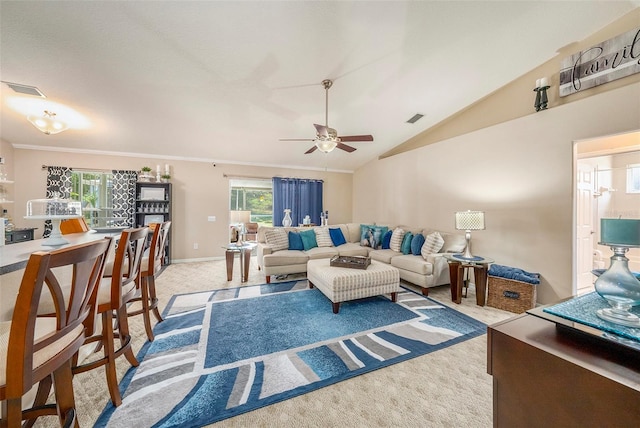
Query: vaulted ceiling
column 224, row 81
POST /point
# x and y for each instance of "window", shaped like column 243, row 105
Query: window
column 94, row 190
column 253, row 195
column 633, row 178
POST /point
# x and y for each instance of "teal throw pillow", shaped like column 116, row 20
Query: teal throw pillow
column 371, row 236
column 406, row 243
column 337, row 237
column 416, row 244
column 386, row 240
column 308, row 239
column 364, row 234
column 295, row 241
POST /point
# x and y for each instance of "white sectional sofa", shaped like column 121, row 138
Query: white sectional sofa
column 423, row 270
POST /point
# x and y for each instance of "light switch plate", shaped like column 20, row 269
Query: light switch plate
column 211, row 218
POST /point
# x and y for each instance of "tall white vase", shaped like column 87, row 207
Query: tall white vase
column 286, row 221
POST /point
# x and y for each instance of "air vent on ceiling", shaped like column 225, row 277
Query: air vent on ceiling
column 25, row 89
column 415, row 118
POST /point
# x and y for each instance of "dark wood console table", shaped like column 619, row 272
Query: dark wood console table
column 543, row 376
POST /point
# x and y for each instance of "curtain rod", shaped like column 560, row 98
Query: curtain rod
column 79, row 169
column 245, row 177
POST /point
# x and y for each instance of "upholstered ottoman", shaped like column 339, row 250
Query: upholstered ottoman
column 340, row 284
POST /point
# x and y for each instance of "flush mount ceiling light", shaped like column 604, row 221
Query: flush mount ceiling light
column 48, row 123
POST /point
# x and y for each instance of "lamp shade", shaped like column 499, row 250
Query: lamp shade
column 620, row 232
column 239, row 217
column 470, row 220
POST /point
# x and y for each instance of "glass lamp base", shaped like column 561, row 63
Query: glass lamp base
column 618, row 316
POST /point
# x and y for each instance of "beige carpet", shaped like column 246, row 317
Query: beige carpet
column 446, row 388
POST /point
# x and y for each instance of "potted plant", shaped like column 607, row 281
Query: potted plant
column 165, row 178
column 145, row 174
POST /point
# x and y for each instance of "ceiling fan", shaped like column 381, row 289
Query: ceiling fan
column 327, row 138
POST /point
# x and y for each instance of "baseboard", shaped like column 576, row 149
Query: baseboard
column 201, row 259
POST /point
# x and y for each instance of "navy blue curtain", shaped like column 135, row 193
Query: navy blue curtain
column 302, row 196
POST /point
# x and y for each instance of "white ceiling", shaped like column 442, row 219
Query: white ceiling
column 223, row 81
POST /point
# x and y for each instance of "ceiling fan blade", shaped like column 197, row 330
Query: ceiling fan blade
column 346, row 148
column 357, row 138
column 321, row 130
column 311, row 150
column 296, row 139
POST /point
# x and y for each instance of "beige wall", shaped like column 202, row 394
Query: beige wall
column 519, row 172
column 199, row 190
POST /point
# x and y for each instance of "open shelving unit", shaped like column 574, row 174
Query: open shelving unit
column 153, row 205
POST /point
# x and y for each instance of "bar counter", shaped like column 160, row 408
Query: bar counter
column 13, row 260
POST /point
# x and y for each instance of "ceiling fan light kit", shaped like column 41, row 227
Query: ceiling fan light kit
column 327, row 139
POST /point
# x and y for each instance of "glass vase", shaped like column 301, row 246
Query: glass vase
column 620, row 288
column 286, row 221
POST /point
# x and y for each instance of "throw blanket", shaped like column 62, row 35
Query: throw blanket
column 514, row 273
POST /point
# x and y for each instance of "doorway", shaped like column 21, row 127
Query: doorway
column 604, row 188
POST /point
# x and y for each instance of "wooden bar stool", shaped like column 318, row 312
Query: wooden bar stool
column 114, row 293
column 36, row 348
column 151, row 268
column 74, row 225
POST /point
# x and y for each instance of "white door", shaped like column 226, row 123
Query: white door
column 585, row 227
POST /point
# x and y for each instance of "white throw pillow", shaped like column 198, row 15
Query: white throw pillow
column 396, row 239
column 277, row 239
column 432, row 244
column 322, row 237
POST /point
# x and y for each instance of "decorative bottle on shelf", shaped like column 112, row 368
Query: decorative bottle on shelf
column 286, row 221
column 326, row 218
column 321, row 218
column 8, row 224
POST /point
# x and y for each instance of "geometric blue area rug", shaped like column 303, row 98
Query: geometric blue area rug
column 221, row 353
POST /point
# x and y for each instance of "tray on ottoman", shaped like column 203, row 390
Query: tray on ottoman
column 354, row 262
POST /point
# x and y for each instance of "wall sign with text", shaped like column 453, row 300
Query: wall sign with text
column 610, row 60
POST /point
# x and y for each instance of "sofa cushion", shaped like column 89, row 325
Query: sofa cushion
column 337, row 237
column 386, row 239
column 432, row 244
column 396, row 239
column 416, row 244
column 322, row 253
column 285, row 258
column 277, row 238
column 295, row 241
column 308, row 239
column 413, row 264
column 453, row 243
column 371, row 235
column 405, row 248
column 322, row 236
column 383, row 256
column 353, row 232
column 352, row 249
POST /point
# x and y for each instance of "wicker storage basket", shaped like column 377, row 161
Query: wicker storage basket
column 510, row 295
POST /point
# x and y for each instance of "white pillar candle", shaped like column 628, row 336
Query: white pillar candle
column 158, row 169
column 166, row 168
column 538, row 83
column 544, row 82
